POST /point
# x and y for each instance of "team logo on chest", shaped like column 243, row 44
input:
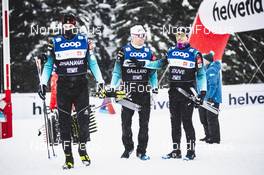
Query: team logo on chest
column 180, row 54
column 70, row 44
column 70, row 49
column 138, row 54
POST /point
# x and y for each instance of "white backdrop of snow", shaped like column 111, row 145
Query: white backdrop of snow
column 241, row 150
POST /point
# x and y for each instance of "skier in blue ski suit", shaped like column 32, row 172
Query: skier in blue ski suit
column 186, row 70
column 70, row 53
column 136, row 79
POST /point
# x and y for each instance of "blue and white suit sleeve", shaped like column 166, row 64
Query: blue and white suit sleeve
column 92, row 64
column 212, row 79
column 116, row 75
column 201, row 79
column 153, row 79
column 47, row 70
column 157, row 64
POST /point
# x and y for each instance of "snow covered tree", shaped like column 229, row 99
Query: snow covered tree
column 107, row 22
column 28, row 40
column 238, row 67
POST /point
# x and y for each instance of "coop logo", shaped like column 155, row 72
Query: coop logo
column 70, row 44
column 138, row 54
column 181, row 54
column 237, row 9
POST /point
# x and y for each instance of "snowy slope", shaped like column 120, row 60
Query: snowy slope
column 241, row 151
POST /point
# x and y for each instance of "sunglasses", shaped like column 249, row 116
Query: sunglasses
column 143, row 35
column 69, row 20
column 68, row 26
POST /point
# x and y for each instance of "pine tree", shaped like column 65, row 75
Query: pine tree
column 108, row 23
column 28, row 17
column 238, row 66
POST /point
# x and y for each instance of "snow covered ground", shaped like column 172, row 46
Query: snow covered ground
column 240, row 152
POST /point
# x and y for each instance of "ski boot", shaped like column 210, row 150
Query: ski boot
column 204, row 139
column 175, row 154
column 83, row 154
column 190, row 155
column 126, row 153
column 142, row 156
column 85, row 160
column 69, row 162
column 212, row 141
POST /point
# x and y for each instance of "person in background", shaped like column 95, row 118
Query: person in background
column 208, row 119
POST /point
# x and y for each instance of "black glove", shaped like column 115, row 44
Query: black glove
column 134, row 61
column 100, row 87
column 211, row 101
column 120, row 55
column 101, row 90
column 165, row 60
column 201, row 97
column 43, row 58
column 155, row 91
column 42, row 91
column 119, row 94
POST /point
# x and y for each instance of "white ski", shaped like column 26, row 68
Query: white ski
column 128, row 103
column 206, row 105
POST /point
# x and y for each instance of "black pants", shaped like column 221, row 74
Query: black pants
column 142, row 99
column 210, row 123
column 181, row 110
column 73, row 91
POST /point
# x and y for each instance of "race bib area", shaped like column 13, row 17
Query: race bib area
column 29, row 105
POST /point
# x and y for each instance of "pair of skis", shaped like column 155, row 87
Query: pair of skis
column 126, row 102
column 194, row 98
column 53, row 125
column 48, row 130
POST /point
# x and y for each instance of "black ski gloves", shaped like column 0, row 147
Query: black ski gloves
column 42, row 91
column 201, row 97
column 155, row 91
column 101, row 90
column 43, row 58
column 137, row 63
column 120, row 55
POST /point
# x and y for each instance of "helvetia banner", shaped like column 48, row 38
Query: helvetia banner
column 230, row 16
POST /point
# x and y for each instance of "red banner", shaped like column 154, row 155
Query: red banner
column 206, row 41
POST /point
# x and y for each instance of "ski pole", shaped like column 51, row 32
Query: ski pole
column 38, row 65
column 50, row 129
column 163, row 75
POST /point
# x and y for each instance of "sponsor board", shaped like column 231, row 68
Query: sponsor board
column 29, row 105
column 230, row 16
